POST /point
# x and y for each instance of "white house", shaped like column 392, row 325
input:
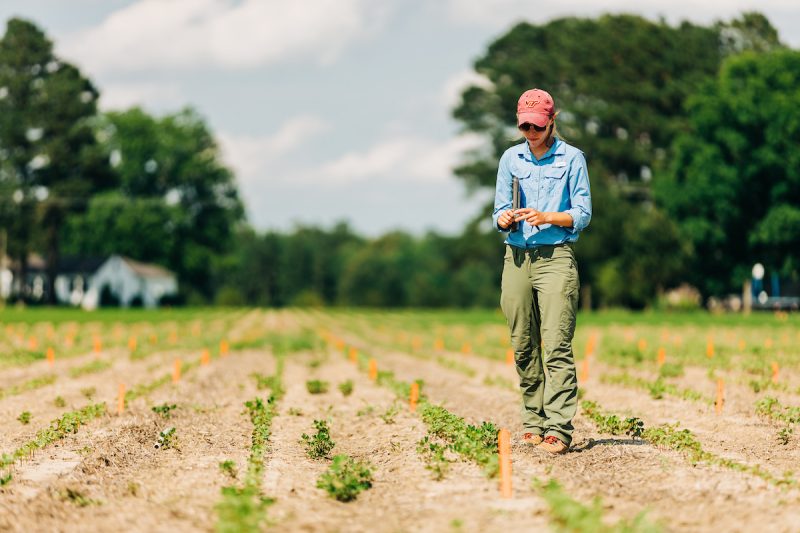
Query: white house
column 126, row 279
column 82, row 281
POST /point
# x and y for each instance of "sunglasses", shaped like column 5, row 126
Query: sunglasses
column 526, row 126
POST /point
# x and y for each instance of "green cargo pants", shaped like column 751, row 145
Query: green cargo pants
column 539, row 300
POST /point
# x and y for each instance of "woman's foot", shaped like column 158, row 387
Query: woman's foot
column 554, row 445
column 532, row 438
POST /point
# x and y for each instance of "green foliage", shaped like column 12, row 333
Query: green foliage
column 569, row 515
column 320, row 445
column 390, row 413
column 46, row 141
column 59, row 402
column 785, row 434
column 734, row 171
column 89, row 368
column 346, row 387
column 475, row 443
column 228, row 468
column 612, row 424
column 77, row 497
column 315, row 386
column 164, row 409
column 772, row 408
column 24, row 417
column 670, row 370
column 434, row 456
column 167, row 439
column 346, row 478
column 31, row 384
column 59, row 428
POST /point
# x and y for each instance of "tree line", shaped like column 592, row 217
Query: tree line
column 691, row 133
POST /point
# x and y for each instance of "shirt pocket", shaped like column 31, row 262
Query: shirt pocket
column 554, row 179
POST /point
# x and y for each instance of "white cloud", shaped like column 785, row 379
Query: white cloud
column 251, row 156
column 144, row 94
column 453, row 87
column 502, row 13
column 404, row 159
column 166, row 34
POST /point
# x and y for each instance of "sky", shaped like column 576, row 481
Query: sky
column 326, row 110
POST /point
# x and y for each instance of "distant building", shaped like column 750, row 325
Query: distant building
column 90, row 282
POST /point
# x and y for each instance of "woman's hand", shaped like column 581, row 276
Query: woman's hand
column 505, row 219
column 531, row 216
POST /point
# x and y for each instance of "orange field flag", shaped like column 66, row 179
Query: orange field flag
column 176, row 371
column 504, row 452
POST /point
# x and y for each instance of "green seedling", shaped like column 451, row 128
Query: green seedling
column 345, row 478
column 77, row 497
column 346, row 387
column 89, row 392
column 164, row 409
column 294, row 411
column 390, row 413
column 316, row 386
column 166, row 439
column 785, row 435
column 366, row 410
column 60, row 402
column 320, row 445
column 6, row 479
column 228, row 468
column 24, row 417
column 670, row 370
column 434, row 456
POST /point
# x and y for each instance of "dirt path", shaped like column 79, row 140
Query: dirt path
column 628, row 477
column 127, row 485
column 404, row 496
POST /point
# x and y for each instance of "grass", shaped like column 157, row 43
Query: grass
column 346, row 387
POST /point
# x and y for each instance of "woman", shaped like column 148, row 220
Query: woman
column 540, row 277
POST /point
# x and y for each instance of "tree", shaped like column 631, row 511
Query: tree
column 50, row 162
column 172, row 182
column 734, row 185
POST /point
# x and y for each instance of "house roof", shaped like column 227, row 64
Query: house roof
column 147, row 270
column 66, row 264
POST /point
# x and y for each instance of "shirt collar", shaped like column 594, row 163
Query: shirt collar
column 558, row 148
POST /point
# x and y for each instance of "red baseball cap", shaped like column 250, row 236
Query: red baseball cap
column 536, row 107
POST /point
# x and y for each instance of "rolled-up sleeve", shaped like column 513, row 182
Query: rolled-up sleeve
column 580, row 194
column 502, row 194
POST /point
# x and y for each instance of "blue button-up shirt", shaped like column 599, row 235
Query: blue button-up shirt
column 556, row 182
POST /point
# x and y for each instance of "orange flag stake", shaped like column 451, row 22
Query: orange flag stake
column 132, row 343
column 33, row 343
column 774, row 372
column 466, row 348
column 741, row 344
column 414, row 397
column 720, row 395
column 710, row 348
column 223, row 348
column 584, row 370
column 416, row 343
column 205, row 358
column 768, row 343
column 98, row 345
column 438, row 345
column 51, row 357
column 510, row 357
column 504, row 450
column 662, row 356
column 373, row 369
column 176, row 371
column 353, row 355
column 121, row 399
column 642, row 345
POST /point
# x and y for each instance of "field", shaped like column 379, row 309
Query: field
column 301, row 420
